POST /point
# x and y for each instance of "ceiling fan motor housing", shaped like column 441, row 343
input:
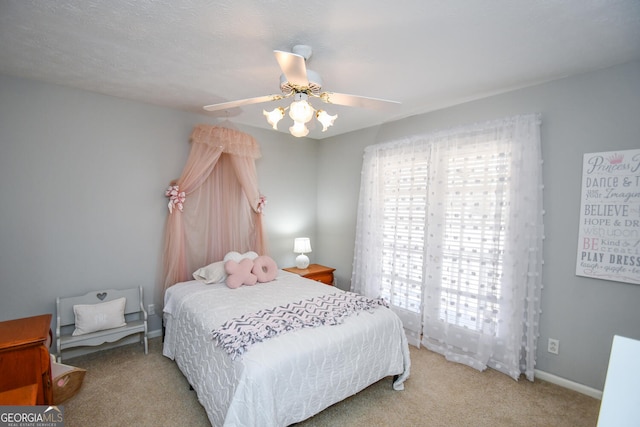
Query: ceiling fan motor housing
column 314, row 86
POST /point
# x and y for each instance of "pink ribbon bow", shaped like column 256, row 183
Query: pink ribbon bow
column 176, row 197
column 262, row 201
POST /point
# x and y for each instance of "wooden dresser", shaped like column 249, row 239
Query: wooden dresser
column 24, row 359
column 316, row 272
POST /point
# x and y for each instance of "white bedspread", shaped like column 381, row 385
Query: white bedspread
column 285, row 379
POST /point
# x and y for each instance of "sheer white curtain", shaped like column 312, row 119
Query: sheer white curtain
column 449, row 231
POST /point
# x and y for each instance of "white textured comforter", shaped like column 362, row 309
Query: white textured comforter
column 285, row 379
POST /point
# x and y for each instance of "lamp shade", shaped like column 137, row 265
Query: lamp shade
column 302, row 245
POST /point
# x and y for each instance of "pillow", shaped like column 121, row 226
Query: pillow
column 97, row 317
column 237, row 256
column 212, row 273
column 239, row 273
column 264, row 268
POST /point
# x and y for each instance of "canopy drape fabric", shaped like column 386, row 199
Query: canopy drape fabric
column 215, row 206
column 450, row 231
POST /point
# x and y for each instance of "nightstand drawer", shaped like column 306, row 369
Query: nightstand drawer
column 326, row 278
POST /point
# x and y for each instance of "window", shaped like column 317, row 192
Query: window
column 472, row 254
column 404, row 205
column 450, row 233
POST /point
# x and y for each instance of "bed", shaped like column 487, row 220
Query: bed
column 289, row 377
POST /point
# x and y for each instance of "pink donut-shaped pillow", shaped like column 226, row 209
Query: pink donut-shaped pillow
column 264, row 268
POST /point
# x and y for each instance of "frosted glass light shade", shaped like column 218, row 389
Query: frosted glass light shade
column 302, row 245
column 299, row 129
column 274, row 116
column 325, row 119
column 301, row 111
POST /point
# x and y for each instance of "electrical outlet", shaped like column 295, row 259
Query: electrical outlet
column 152, row 309
column 553, row 346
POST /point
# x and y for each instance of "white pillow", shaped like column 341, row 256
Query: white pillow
column 212, row 273
column 97, row 317
column 237, row 256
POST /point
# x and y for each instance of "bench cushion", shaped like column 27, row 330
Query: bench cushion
column 98, row 317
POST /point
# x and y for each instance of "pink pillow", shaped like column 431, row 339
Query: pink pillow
column 264, row 268
column 239, row 273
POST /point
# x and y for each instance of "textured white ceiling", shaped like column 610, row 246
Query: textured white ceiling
column 427, row 54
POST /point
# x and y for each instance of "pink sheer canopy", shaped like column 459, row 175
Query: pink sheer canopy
column 215, row 206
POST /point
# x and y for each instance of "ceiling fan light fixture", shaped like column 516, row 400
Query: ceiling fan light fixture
column 274, row 116
column 300, row 83
column 299, row 129
column 326, row 120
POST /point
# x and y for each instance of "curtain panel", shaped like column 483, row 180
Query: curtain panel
column 222, row 207
column 449, row 231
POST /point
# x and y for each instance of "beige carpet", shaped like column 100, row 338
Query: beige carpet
column 123, row 387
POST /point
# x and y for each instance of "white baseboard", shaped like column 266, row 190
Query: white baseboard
column 571, row 385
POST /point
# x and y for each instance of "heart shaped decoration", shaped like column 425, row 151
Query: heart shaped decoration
column 237, row 256
column 101, row 296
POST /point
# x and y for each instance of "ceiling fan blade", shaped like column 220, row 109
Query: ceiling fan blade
column 241, row 102
column 293, row 67
column 357, row 101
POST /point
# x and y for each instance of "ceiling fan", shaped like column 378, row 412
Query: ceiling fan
column 301, row 83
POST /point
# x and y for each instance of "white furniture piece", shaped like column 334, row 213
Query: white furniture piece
column 289, row 377
column 134, row 312
column 620, row 406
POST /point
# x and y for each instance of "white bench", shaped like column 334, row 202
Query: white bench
column 135, row 317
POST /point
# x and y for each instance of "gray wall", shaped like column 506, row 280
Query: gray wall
column 82, row 180
column 598, row 111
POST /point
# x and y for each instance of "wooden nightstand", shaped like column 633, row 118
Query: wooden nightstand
column 25, row 361
column 316, row 272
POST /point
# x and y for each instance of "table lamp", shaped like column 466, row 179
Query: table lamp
column 302, row 245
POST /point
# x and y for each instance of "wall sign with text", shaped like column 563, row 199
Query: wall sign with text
column 609, row 233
